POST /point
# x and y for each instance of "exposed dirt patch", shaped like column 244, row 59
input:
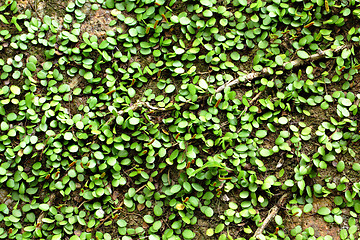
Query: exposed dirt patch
column 313, row 220
column 99, row 23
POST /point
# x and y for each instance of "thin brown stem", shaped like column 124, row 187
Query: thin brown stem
column 267, row 71
column 39, row 221
column 244, row 78
column 272, row 213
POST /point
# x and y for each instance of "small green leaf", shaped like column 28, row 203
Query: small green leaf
column 75, row 237
column 279, row 61
column 68, row 136
column 56, row 237
column 356, row 166
column 188, row 234
column 340, row 166
column 219, row 227
column 261, row 133
column 148, row 219
column 210, row 232
column 88, row 75
column 99, row 155
column 283, row 120
column 170, row 88
column 110, row 4
column 176, row 188
column 3, row 19
column 208, row 211
column 31, row 66
column 203, row 84
column 337, row 136
column 235, row 56
column 183, row 124
column 158, row 210
column 302, row 54
column 11, row 117
column 134, row 121
column 265, row 152
column 185, row 21
column 44, row 207
column 47, row 66
column 131, row 92
column 306, row 131
column 324, row 211
column 307, row 208
column 15, row 89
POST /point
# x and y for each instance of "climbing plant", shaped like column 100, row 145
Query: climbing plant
column 180, row 119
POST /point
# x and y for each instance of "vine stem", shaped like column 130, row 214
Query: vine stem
column 272, row 213
column 267, row 71
column 39, row 221
column 247, row 77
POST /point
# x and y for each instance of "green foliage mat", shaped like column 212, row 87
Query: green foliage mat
column 180, row 119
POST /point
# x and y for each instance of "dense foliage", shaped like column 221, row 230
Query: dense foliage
column 179, row 119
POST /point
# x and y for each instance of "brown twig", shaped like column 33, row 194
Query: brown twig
column 39, row 221
column 245, row 109
column 250, row 103
column 238, row 117
column 134, row 107
column 247, row 77
column 82, row 203
column 266, row 71
column 273, row 211
column 35, row 10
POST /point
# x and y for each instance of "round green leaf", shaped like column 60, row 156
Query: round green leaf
column 88, row 75
column 340, row 166
column 185, row 21
column 261, row 133
column 265, row 152
column 170, row 88
column 131, row 92
column 188, row 234
column 99, row 155
column 68, row 136
column 15, row 89
column 148, row 219
column 302, row 54
column 176, row 188
column 11, row 117
column 31, row 66
column 307, row 208
column 324, row 211
column 283, row 120
column 134, row 121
